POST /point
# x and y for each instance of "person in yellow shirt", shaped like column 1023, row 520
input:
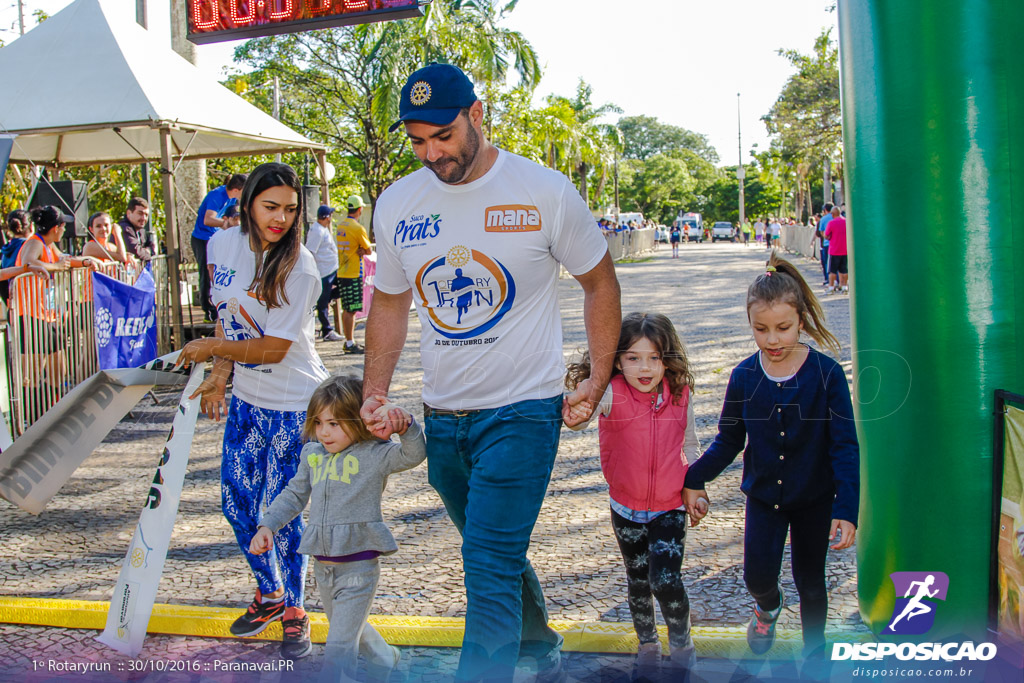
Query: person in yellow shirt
column 352, row 246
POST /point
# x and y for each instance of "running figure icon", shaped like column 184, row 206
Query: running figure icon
column 915, row 607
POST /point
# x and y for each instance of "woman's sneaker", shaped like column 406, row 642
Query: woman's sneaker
column 761, row 630
column 295, row 643
column 257, row 617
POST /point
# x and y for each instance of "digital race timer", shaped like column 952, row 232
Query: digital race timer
column 211, row 21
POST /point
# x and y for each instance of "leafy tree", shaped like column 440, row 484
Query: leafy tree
column 806, row 120
column 341, row 86
column 645, row 136
column 656, row 187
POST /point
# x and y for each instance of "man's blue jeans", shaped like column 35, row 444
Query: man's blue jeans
column 491, row 469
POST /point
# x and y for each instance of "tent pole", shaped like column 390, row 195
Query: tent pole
column 321, row 162
column 171, row 234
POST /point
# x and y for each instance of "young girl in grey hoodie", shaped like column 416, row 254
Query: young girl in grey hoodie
column 342, row 475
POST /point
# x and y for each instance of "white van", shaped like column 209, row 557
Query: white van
column 625, row 218
column 692, row 225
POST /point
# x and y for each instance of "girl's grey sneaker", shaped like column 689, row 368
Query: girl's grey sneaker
column 761, row 630
column 684, row 657
column 648, row 662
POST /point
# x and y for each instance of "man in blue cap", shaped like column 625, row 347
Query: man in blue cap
column 479, row 235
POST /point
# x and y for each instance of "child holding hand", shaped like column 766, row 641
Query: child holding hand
column 342, row 475
column 648, row 434
column 788, row 409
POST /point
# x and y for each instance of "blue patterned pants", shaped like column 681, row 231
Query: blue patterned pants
column 261, row 454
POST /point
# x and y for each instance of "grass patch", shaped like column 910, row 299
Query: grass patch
column 636, row 260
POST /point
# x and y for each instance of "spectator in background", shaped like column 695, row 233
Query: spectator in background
column 39, row 315
column 776, row 232
column 137, row 240
column 352, row 247
column 321, row 243
column 759, row 230
column 826, row 216
column 746, row 229
column 209, row 219
column 837, row 267
column 19, row 226
column 100, row 245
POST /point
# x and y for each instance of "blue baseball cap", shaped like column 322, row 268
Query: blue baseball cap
column 323, row 212
column 434, row 94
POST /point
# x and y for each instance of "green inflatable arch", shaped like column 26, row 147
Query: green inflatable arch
column 933, row 108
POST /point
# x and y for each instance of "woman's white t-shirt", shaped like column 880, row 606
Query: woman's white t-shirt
column 276, row 386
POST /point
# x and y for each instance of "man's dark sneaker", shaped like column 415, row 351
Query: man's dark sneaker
column 257, row 617
column 296, row 637
column 761, row 630
column 353, row 348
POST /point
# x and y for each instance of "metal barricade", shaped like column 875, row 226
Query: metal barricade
column 51, row 329
column 629, row 243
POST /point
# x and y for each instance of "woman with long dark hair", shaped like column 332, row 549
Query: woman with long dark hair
column 264, row 286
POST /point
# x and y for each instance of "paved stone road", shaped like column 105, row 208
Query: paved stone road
column 74, row 549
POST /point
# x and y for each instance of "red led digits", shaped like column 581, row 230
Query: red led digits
column 198, row 23
column 235, row 10
column 318, row 6
column 357, row 5
column 286, row 8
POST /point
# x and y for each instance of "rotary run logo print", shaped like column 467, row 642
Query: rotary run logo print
column 914, row 612
column 465, row 292
column 419, row 94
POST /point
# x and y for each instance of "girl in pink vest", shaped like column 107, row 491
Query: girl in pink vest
column 648, row 434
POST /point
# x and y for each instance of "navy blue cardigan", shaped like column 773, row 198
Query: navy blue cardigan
column 800, row 436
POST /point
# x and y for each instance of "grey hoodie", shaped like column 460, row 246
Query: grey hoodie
column 344, row 492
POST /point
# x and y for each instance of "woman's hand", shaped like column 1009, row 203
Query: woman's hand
column 39, row 271
column 213, row 401
column 197, row 351
column 847, row 534
column 262, row 541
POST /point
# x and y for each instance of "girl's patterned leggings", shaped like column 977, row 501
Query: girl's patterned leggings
column 653, row 554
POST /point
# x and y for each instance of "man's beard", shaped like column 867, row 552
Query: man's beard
column 453, row 170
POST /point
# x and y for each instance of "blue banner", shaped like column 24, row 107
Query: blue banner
column 125, row 321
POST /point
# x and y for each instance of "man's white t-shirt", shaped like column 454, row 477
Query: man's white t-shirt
column 320, row 242
column 482, row 261
column 276, row 386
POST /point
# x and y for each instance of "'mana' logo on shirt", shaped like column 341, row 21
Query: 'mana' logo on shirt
column 512, row 218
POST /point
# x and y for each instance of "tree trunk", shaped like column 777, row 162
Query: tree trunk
column 583, row 169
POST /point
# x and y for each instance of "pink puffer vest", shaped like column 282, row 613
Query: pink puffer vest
column 642, row 447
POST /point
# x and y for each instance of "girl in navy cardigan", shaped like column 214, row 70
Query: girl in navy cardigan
column 648, row 434
column 790, row 406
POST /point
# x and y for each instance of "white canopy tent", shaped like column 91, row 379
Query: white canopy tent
column 89, row 86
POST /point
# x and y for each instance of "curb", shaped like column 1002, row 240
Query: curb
column 213, row 622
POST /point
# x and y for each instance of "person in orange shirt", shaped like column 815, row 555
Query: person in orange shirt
column 352, row 247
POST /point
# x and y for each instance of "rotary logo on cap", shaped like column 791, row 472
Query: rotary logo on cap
column 419, row 94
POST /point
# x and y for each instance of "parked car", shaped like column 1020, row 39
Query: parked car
column 723, row 230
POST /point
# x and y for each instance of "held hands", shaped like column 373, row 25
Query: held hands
column 578, row 406
column 847, row 534
column 262, row 541
column 697, row 504
column 376, row 413
column 397, row 416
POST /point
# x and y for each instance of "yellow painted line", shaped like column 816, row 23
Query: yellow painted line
column 213, row 622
